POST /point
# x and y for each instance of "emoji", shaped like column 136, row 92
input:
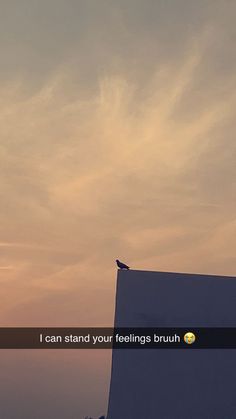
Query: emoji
column 189, row 338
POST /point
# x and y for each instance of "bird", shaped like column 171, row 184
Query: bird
column 121, row 265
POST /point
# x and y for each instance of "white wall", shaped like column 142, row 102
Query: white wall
column 175, row 383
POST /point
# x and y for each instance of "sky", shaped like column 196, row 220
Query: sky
column 117, row 141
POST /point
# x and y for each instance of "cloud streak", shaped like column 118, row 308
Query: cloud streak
column 87, row 179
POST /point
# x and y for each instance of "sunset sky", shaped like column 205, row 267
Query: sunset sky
column 117, row 141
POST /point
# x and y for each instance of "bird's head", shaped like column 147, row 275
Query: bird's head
column 117, row 260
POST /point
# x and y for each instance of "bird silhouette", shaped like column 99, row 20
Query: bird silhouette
column 121, row 265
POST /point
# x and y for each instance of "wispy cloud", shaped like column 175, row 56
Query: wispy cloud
column 117, row 172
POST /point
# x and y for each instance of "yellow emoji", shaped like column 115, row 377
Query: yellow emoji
column 189, row 338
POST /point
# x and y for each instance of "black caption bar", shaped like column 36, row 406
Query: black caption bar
column 118, row 338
